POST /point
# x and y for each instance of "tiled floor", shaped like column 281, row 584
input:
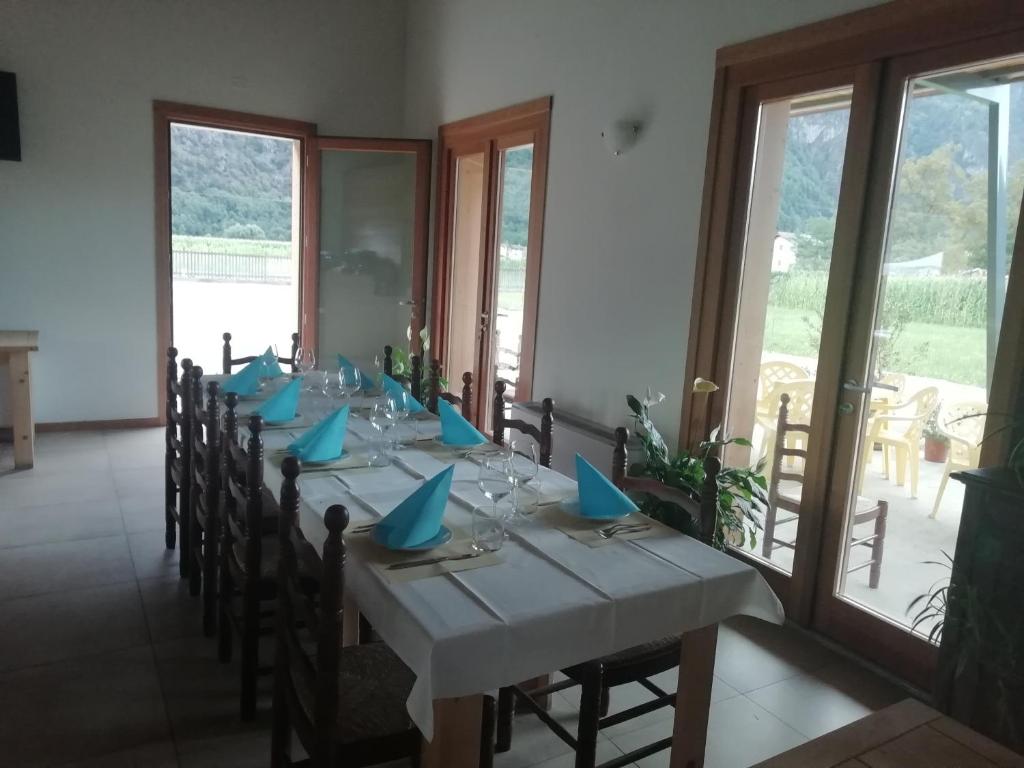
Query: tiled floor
column 102, row 662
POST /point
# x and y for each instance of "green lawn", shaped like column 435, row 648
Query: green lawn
column 936, row 351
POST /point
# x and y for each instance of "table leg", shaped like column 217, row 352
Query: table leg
column 456, row 742
column 21, row 409
column 693, row 697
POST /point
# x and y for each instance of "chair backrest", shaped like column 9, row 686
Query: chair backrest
column 179, row 434
column 704, row 512
column 206, row 453
column 309, row 684
column 172, row 409
column 465, row 402
column 772, row 372
column 541, row 435
column 783, row 427
column 227, row 361
column 918, row 407
column 801, row 399
column 964, row 424
column 243, row 490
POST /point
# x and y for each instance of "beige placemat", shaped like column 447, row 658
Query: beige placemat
column 380, row 557
column 586, row 531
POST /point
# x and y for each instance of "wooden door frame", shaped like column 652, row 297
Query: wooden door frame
column 310, row 293
column 867, row 38
column 533, row 118
column 164, row 114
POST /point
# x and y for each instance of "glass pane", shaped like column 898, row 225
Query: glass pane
column 510, row 285
column 367, row 209
column 466, row 263
column 794, row 197
column 234, row 242
column 952, row 220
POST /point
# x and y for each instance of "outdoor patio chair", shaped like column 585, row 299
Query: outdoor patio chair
column 900, row 427
column 965, row 434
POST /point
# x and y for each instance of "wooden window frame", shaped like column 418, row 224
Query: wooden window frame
column 494, row 131
column 164, row 114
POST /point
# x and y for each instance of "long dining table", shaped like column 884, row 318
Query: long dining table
column 545, row 601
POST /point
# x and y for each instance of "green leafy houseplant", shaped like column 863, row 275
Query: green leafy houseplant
column 742, row 491
column 401, row 364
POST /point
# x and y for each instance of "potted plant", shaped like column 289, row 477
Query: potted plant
column 742, row 491
column 936, row 442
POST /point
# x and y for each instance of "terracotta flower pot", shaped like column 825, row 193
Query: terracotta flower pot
column 935, row 450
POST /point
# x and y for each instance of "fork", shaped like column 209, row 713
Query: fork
column 612, row 531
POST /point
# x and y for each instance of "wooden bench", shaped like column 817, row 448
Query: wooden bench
column 905, row 735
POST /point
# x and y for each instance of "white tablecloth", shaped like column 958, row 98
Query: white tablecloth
column 551, row 603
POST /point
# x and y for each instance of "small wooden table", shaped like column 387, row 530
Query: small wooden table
column 905, row 735
column 15, row 347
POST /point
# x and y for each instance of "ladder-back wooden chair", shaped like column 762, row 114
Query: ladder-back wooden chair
column 543, row 434
column 346, row 705
column 787, row 499
column 228, row 362
column 206, row 503
column 596, row 678
column 248, row 571
column 435, row 392
column 178, row 459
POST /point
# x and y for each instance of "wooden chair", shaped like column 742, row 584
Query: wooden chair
column 964, row 424
column 541, row 435
column 178, row 459
column 227, row 362
column 196, row 417
column 346, row 705
column 435, row 393
column 633, row 665
column 206, row 503
column 788, row 500
column 248, row 556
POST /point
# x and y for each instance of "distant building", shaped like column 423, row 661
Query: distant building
column 784, row 252
column 927, row 266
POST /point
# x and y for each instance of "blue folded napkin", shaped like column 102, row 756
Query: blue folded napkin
column 455, row 430
column 395, row 389
column 366, row 379
column 418, row 518
column 246, row 381
column 325, row 441
column 270, row 367
column 281, row 407
column 598, row 496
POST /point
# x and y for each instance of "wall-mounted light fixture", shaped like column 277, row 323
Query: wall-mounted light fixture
column 620, row 135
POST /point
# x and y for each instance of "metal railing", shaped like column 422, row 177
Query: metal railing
column 231, row 267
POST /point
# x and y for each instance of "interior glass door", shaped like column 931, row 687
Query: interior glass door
column 370, row 248
column 924, row 335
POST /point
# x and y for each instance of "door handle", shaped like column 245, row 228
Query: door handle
column 851, row 385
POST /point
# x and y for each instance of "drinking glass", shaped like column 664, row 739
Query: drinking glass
column 349, row 380
column 305, row 361
column 488, row 530
column 379, row 419
column 400, row 406
column 331, row 385
column 524, row 464
column 494, row 479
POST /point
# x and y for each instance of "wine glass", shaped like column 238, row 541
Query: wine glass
column 351, row 381
column 380, row 420
column 331, row 385
column 494, row 479
column 305, row 361
column 524, row 464
column 400, row 407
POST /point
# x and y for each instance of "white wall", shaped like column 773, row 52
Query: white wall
column 620, row 233
column 76, row 215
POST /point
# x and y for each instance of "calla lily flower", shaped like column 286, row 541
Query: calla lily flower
column 653, row 398
column 704, row 386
